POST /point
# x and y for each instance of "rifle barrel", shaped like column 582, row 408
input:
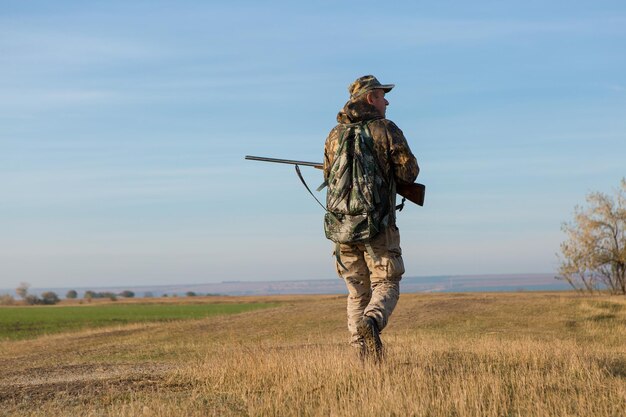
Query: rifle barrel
column 412, row 192
column 285, row 161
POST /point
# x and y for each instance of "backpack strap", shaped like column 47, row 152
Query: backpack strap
column 307, row 187
column 338, row 256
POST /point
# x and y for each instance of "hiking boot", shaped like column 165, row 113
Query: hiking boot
column 368, row 330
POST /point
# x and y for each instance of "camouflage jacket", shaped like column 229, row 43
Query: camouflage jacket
column 394, row 156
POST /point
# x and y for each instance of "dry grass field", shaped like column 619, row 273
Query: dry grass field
column 516, row 354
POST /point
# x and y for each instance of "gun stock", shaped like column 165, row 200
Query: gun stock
column 413, row 192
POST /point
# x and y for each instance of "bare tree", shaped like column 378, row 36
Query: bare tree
column 594, row 254
column 22, row 289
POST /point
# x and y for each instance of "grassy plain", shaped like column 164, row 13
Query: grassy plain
column 517, row 354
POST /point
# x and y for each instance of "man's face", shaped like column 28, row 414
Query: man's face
column 377, row 99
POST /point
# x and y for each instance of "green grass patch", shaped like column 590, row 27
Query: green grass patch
column 602, row 317
column 26, row 322
column 607, row 305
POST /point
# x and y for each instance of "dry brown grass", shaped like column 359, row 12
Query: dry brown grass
column 522, row 354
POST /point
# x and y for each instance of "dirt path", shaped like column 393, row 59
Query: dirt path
column 75, row 381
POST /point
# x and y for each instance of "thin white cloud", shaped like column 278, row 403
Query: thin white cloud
column 424, row 31
column 44, row 47
column 617, row 88
column 32, row 99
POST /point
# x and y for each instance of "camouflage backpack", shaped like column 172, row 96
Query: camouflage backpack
column 358, row 200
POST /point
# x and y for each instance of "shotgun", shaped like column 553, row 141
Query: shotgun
column 413, row 192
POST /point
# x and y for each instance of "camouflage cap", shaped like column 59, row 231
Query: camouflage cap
column 365, row 84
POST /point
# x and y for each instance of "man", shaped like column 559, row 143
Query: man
column 372, row 270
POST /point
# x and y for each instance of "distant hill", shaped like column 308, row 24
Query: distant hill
column 440, row 283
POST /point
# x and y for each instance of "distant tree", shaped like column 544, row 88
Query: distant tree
column 164, row 295
column 103, row 294
column 190, row 294
column 127, row 294
column 22, row 289
column 71, row 294
column 148, row 294
column 49, row 298
column 594, row 254
column 107, row 294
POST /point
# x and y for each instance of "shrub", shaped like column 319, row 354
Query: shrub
column 32, row 300
column 6, row 300
column 105, row 294
column 49, row 298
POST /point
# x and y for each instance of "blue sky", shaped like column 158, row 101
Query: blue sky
column 123, row 127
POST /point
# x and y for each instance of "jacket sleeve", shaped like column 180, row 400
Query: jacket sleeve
column 404, row 163
column 330, row 148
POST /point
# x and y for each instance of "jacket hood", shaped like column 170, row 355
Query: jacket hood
column 357, row 111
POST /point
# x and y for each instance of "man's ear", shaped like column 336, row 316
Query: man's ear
column 369, row 97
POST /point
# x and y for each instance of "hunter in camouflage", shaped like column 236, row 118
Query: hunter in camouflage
column 372, row 269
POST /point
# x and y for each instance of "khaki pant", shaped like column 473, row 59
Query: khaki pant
column 374, row 287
